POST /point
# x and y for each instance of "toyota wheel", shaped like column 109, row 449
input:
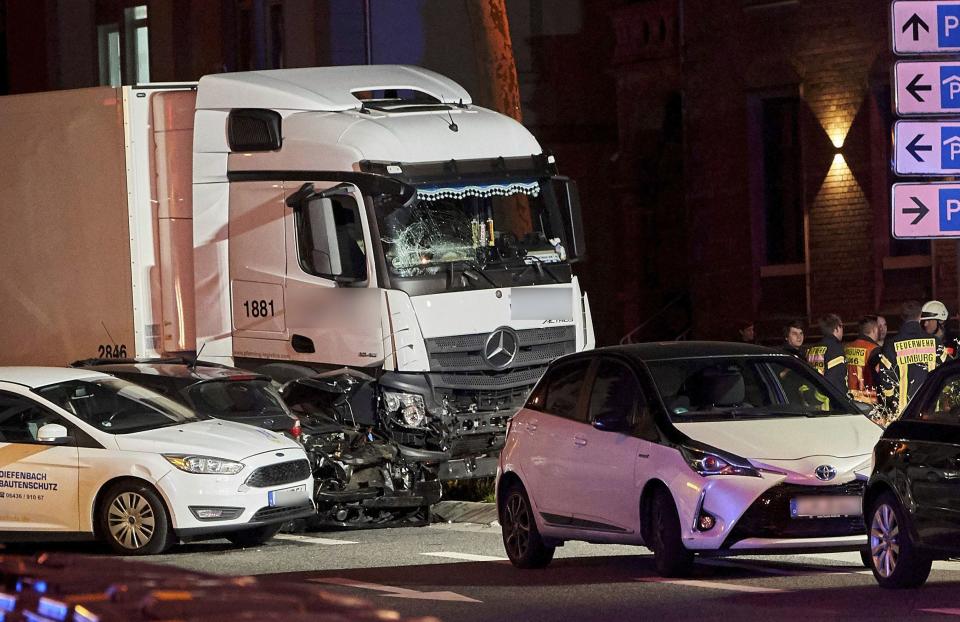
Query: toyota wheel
column 521, row 538
column 670, row 556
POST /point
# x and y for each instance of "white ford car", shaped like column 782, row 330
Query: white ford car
column 84, row 454
column 685, row 447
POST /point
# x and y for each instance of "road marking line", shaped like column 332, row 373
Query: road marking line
column 946, row 612
column 310, row 539
column 395, row 592
column 714, row 585
column 467, row 556
column 778, row 571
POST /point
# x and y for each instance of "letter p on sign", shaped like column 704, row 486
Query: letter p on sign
column 948, row 18
column 949, row 209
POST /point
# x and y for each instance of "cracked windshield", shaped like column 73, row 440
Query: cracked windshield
column 478, row 224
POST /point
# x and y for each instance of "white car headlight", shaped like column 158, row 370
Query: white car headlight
column 204, row 465
column 706, row 463
column 408, row 407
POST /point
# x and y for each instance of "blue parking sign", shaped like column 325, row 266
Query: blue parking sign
column 948, row 25
column 949, row 209
column 950, row 86
column 950, row 147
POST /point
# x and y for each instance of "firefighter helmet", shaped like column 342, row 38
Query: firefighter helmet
column 934, row 310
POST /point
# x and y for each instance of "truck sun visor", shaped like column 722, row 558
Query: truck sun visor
column 432, row 193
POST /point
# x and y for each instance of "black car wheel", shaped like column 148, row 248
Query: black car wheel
column 894, row 558
column 253, row 537
column 670, row 556
column 133, row 520
column 521, row 538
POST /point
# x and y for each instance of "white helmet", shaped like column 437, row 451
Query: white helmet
column 934, row 310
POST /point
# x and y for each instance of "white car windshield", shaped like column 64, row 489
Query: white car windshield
column 720, row 388
column 117, row 406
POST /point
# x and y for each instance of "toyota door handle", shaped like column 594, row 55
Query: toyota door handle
column 579, row 441
column 643, row 455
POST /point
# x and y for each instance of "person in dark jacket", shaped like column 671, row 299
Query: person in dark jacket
column 916, row 351
column 826, row 356
column 793, row 338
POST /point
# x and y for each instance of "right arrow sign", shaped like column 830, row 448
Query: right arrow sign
column 923, row 26
column 927, row 148
column 926, row 210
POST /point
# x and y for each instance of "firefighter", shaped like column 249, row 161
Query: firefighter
column 916, row 351
column 826, row 356
column 863, row 357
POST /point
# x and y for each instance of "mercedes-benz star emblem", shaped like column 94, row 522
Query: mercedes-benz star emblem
column 501, row 348
column 825, row 472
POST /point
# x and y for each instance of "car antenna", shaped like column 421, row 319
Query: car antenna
column 192, row 366
column 453, row 126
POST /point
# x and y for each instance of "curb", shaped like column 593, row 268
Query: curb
column 464, row 512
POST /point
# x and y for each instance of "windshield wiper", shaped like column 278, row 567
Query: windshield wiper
column 472, row 265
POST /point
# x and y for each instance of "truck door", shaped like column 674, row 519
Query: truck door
column 331, row 296
column 38, row 481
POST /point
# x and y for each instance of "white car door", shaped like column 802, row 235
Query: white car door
column 38, row 481
column 613, row 464
column 552, row 451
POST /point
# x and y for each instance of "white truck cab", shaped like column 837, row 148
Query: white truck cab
column 302, row 220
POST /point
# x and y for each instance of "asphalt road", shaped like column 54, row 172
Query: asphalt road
column 458, row 573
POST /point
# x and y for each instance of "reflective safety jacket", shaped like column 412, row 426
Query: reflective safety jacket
column 863, row 357
column 826, row 356
column 906, row 362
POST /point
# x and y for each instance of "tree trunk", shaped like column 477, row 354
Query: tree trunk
column 494, row 53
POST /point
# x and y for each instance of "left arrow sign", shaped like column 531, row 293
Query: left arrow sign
column 914, row 147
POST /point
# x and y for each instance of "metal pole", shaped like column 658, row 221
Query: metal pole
column 367, row 32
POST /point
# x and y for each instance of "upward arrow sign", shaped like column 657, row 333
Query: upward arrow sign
column 916, row 23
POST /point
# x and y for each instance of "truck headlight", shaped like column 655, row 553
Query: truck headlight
column 407, row 407
column 204, row 465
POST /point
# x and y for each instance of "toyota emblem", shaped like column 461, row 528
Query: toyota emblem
column 825, row 472
column 501, row 348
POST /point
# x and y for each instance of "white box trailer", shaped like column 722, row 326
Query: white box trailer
column 292, row 222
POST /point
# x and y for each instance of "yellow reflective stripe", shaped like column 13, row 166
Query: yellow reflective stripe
column 885, row 361
column 902, row 397
column 834, row 362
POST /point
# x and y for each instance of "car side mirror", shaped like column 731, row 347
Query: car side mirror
column 53, row 433
column 610, row 421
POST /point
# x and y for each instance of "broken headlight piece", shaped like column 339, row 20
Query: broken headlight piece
column 408, row 408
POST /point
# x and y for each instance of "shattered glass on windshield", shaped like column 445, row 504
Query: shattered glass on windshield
column 475, row 223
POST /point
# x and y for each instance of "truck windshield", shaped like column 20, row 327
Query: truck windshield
column 479, row 225
column 116, row 406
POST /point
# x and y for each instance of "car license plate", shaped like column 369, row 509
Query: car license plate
column 825, row 507
column 287, row 496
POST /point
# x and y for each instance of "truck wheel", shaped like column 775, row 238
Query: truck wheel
column 253, row 537
column 521, row 538
column 670, row 556
column 133, row 520
column 895, row 560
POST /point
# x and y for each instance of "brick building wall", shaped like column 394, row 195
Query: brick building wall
column 829, row 59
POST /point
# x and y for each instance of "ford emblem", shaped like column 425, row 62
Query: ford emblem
column 825, row 472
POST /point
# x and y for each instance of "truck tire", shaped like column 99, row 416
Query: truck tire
column 133, row 520
column 253, row 537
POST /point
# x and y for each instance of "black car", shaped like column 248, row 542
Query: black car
column 912, row 503
column 214, row 390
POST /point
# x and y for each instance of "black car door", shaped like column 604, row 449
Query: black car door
column 930, row 458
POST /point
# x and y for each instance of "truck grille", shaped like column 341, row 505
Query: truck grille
column 279, row 474
column 464, row 353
